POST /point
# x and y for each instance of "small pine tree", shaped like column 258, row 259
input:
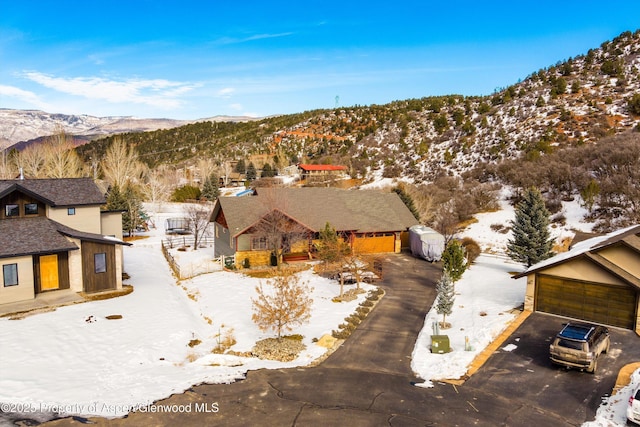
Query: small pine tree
column 332, row 250
column 454, row 262
column 210, row 189
column 446, row 297
column 331, row 247
column 252, row 174
column 127, row 201
column 531, row 242
column 115, row 199
column 284, row 306
column 134, row 215
column 240, row 166
column 267, row 171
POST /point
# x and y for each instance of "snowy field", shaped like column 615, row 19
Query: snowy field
column 76, row 361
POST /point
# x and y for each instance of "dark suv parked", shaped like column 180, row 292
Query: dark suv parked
column 578, row 345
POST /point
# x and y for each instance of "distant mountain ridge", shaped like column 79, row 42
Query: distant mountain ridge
column 21, row 126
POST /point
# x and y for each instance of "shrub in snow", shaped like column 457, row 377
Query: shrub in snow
column 285, row 305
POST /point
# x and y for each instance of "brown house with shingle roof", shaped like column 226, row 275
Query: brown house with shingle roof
column 597, row 280
column 374, row 221
column 54, row 236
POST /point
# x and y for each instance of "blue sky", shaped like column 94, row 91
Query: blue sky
column 196, row 59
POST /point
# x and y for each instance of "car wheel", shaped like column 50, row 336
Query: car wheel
column 593, row 366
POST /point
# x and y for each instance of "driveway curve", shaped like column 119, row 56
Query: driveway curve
column 368, row 381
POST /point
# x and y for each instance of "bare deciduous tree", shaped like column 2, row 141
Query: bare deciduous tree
column 226, row 170
column 120, row 164
column 199, row 217
column 61, row 159
column 31, row 161
column 286, row 304
column 280, row 231
column 8, row 169
column 155, row 188
column 54, row 158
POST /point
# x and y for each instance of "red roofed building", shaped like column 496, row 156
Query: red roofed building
column 321, row 173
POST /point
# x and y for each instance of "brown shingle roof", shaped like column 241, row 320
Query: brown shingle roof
column 35, row 235
column 362, row 211
column 28, row 236
column 57, row 192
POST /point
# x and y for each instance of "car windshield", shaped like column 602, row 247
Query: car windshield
column 576, row 345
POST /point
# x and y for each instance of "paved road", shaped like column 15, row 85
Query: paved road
column 368, row 381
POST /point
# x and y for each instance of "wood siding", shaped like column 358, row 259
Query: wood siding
column 96, row 282
column 20, row 199
column 63, row 272
column 369, row 244
column 594, row 302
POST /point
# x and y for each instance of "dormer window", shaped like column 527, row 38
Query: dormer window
column 71, row 211
column 11, row 210
column 31, row 209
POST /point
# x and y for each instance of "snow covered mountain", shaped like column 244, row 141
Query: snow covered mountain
column 25, row 125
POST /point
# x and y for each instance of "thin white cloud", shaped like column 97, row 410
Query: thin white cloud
column 22, row 95
column 153, row 92
column 232, row 40
column 236, row 107
column 226, row 92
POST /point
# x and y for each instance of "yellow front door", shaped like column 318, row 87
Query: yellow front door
column 48, row 272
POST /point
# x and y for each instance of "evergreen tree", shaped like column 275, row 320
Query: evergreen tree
column 210, row 189
column 252, row 174
column 128, row 202
column 134, row 216
column 407, row 200
column 446, row 297
column 332, row 250
column 267, row 171
column 531, row 242
column 454, row 262
column 240, row 166
column 115, row 199
column 185, row 193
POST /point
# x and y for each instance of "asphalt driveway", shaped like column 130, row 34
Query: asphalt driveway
column 368, row 381
column 527, row 372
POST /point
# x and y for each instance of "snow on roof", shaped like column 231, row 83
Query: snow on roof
column 579, row 249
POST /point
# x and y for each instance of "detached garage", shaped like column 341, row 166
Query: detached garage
column 598, row 280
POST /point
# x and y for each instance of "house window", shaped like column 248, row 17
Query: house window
column 31, row 209
column 258, row 243
column 100, row 262
column 10, row 274
column 11, row 210
column 71, row 211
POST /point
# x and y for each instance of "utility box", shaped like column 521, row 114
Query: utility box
column 440, row 344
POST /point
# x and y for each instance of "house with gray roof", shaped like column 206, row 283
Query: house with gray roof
column 372, row 221
column 54, row 236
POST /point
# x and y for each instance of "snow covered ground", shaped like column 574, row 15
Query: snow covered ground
column 76, row 361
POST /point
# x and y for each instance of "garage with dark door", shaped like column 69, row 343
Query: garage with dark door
column 606, row 304
column 597, row 280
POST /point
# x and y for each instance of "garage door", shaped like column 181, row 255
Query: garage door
column 375, row 243
column 593, row 302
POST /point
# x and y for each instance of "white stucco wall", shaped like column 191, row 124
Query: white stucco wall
column 86, row 218
column 25, row 289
